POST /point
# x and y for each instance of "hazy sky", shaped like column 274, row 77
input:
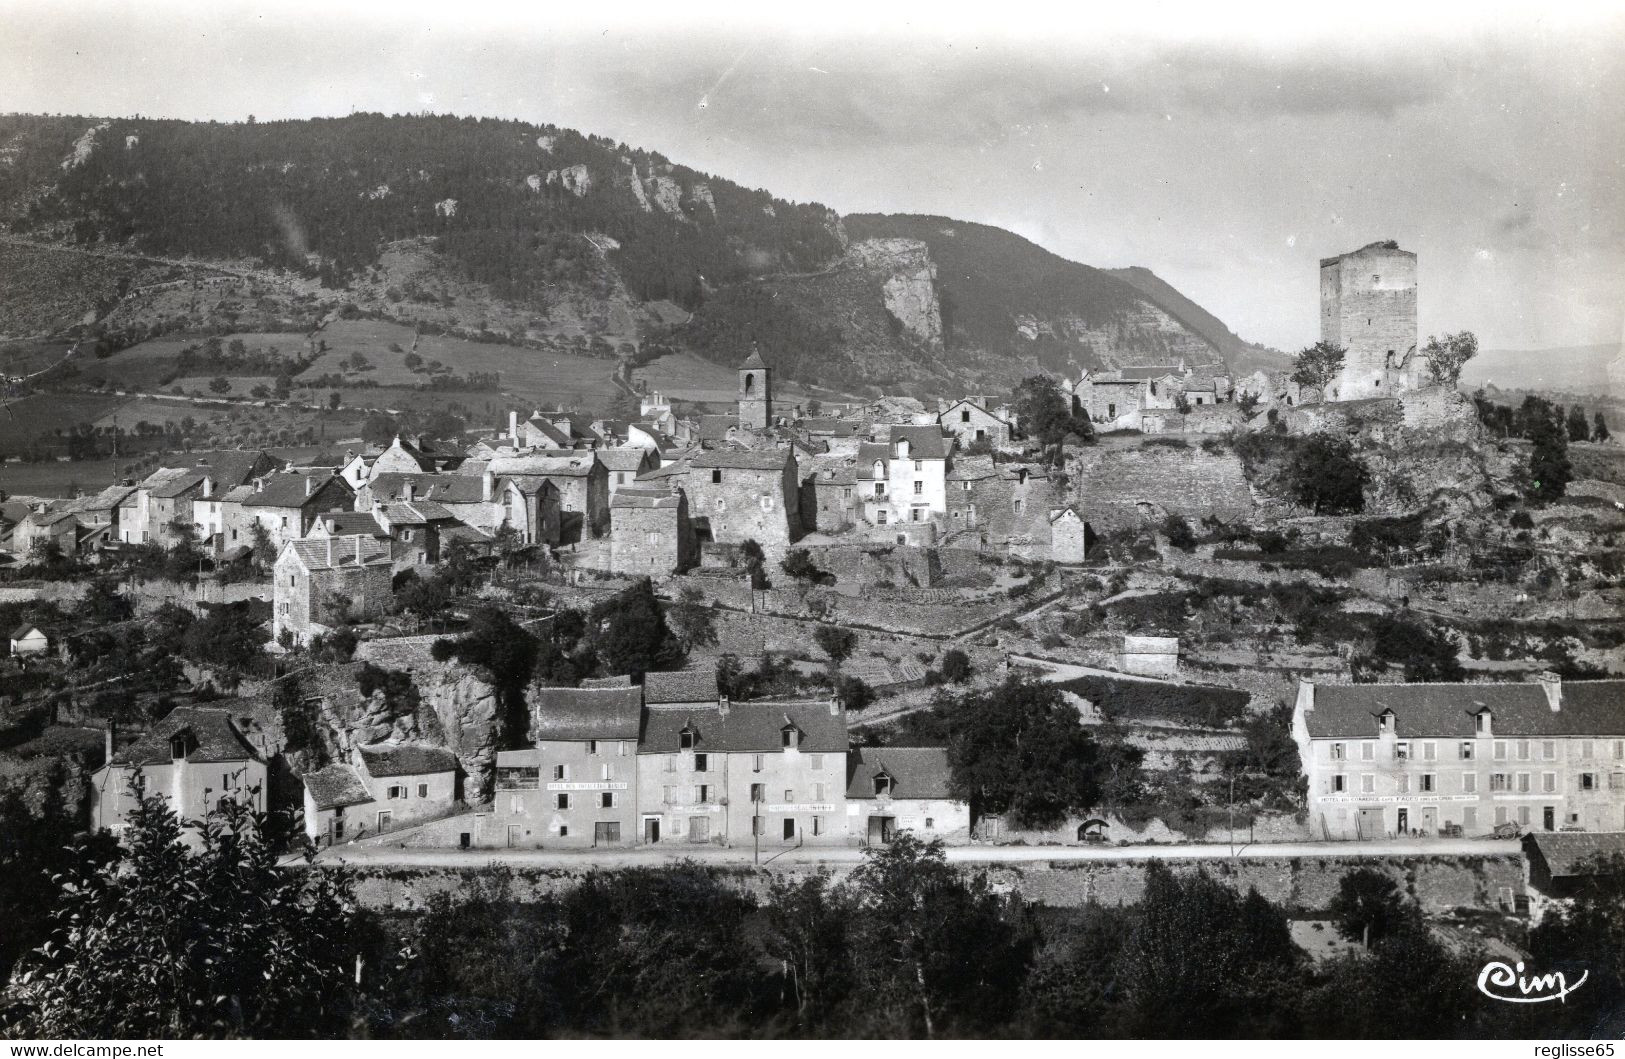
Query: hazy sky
column 1226, row 154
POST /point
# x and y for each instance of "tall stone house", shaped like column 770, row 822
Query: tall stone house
column 970, row 422
column 185, row 493
column 322, row 583
column 623, row 465
column 285, row 506
column 650, row 533
column 1396, row 759
column 582, row 484
column 737, row 495
column 769, row 773
column 1368, row 306
column 904, row 479
column 194, row 758
column 576, row 787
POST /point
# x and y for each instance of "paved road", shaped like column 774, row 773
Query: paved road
column 396, row 856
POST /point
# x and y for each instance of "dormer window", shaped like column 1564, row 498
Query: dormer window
column 902, row 448
column 687, row 737
column 883, row 784
column 181, row 744
column 790, row 738
column 1482, row 722
column 1385, row 721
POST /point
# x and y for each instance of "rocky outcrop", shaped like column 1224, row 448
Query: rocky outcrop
column 575, row 179
column 83, row 146
column 666, row 193
column 546, row 143
column 446, row 208
column 453, row 708
column 1141, row 337
column 701, row 196
column 910, row 286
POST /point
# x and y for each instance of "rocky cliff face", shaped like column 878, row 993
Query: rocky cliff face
column 455, row 709
column 910, row 287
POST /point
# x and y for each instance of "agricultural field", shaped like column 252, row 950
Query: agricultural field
column 22, row 419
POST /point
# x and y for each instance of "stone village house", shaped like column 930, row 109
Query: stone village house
column 320, row 584
column 194, row 758
column 384, row 787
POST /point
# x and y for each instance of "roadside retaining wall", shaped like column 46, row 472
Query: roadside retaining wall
column 1301, row 883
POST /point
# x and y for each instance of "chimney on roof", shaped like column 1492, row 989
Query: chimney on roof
column 112, row 730
column 834, row 705
column 358, row 549
column 409, row 490
column 310, row 483
column 722, row 705
column 330, row 551
column 208, row 487
column 487, row 480
column 513, row 427
column 1552, row 684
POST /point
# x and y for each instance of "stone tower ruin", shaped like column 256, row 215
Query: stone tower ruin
column 1368, row 305
column 755, row 393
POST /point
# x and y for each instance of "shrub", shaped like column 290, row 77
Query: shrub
column 1149, row 700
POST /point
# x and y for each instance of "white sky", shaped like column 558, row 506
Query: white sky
column 1226, row 153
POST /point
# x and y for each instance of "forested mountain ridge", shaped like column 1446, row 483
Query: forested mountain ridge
column 539, row 232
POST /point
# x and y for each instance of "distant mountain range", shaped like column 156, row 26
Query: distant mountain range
column 544, row 234
column 1598, row 369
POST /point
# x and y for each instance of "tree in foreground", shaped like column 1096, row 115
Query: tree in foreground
column 1448, row 355
column 1549, row 469
column 175, row 941
column 1369, row 907
column 1319, row 365
column 934, row 951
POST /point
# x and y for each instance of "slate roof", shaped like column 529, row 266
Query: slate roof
column 549, row 431
column 924, row 443
column 104, row 500
column 336, row 785
column 972, row 469
column 177, row 483
column 1588, row 708
column 830, row 470
column 644, row 497
column 751, row 727
column 753, row 361
column 416, row 513
column 289, row 490
column 716, row 427
column 446, row 488
column 623, row 459
column 350, row 523
column 22, row 631
column 915, row 771
column 1151, row 371
column 585, row 713
column 688, row 685
column 406, row 759
column 671, row 470
column 313, row 553
column 1566, row 852
column 217, row 737
column 744, row 459
column 978, row 405
column 576, row 465
column 228, row 466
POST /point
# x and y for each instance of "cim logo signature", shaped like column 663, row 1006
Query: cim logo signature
column 1536, row 989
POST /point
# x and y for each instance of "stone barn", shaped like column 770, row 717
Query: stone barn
column 737, row 495
column 320, row 584
column 650, row 534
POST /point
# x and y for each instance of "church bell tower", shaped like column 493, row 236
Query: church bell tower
column 755, row 393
